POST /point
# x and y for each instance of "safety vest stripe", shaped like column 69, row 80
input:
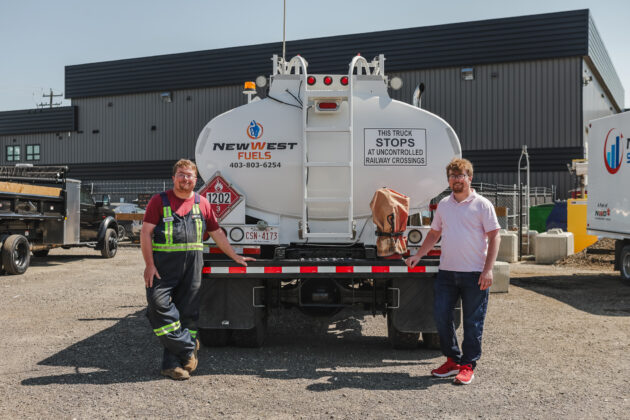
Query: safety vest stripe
column 169, row 225
column 198, row 223
column 167, row 328
column 177, row 247
column 193, row 333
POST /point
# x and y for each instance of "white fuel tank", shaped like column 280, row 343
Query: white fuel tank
column 277, row 154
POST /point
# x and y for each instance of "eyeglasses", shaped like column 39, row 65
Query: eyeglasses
column 186, row 176
column 459, row 177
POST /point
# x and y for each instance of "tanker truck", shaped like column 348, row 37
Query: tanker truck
column 291, row 177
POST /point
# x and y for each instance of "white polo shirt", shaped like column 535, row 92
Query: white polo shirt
column 464, row 226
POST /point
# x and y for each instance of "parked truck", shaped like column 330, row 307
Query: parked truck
column 608, row 203
column 41, row 209
column 291, row 177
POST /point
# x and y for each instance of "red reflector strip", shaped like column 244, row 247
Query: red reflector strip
column 380, row 269
column 308, row 269
column 239, row 270
column 272, row 270
column 435, row 253
column 251, row 251
column 322, row 270
column 345, row 269
column 214, row 250
column 417, row 269
column 206, row 270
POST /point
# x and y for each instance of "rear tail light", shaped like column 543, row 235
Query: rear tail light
column 310, row 80
column 327, row 106
column 344, row 80
column 327, row 80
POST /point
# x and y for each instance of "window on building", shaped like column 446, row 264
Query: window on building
column 32, row 152
column 13, row 153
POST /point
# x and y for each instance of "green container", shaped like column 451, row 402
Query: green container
column 538, row 217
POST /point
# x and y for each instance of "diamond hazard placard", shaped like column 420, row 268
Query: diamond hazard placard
column 221, row 195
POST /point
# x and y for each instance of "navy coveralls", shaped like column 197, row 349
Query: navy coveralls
column 173, row 301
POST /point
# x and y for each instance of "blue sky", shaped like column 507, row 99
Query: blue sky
column 39, row 37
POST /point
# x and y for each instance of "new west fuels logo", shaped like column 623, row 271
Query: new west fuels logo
column 613, row 150
column 254, row 130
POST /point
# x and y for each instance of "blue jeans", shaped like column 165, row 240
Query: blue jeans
column 447, row 288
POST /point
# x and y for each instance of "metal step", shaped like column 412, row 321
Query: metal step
column 328, row 200
column 328, row 164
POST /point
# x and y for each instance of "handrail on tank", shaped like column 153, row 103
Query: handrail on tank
column 364, row 64
column 303, row 64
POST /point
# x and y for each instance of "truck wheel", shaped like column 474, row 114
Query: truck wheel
column 253, row 337
column 401, row 340
column 431, row 340
column 624, row 263
column 110, row 243
column 41, row 253
column 121, row 232
column 16, row 254
column 214, row 337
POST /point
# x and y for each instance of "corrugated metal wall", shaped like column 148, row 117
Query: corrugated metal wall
column 44, row 120
column 141, row 127
column 533, row 103
column 602, row 65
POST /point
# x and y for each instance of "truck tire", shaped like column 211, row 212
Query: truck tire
column 110, row 243
column 214, row 337
column 401, row 340
column 431, row 340
column 624, row 263
column 253, row 337
column 41, row 253
column 121, row 232
column 16, row 254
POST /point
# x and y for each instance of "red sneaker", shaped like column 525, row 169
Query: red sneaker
column 465, row 375
column 449, row 368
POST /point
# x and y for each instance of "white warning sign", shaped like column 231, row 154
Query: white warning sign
column 395, row 147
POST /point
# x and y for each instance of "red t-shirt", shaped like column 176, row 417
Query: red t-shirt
column 154, row 211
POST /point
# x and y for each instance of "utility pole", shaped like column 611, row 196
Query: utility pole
column 51, row 95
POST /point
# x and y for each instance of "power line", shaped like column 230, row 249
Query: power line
column 50, row 96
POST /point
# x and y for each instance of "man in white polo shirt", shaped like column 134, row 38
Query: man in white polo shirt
column 469, row 228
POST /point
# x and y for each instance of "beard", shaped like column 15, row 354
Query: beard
column 458, row 187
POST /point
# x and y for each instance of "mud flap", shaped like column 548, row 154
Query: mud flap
column 231, row 303
column 411, row 305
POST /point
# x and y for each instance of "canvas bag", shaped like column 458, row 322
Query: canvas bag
column 389, row 214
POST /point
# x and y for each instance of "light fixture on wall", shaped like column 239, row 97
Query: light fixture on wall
column 468, row 73
column 166, row 97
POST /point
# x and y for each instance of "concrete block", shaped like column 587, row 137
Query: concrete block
column 508, row 248
column 553, row 245
column 501, row 277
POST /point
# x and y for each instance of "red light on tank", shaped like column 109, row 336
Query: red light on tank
column 328, row 106
column 310, row 80
column 344, row 80
column 327, row 80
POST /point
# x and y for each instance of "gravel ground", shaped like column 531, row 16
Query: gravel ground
column 76, row 344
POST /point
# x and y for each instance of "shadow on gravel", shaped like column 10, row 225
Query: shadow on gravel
column 332, row 357
column 52, row 260
column 598, row 294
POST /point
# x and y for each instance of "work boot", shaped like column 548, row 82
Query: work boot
column 191, row 364
column 176, row 373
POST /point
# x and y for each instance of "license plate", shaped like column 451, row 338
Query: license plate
column 253, row 235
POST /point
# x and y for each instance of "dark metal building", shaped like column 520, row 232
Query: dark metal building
column 502, row 83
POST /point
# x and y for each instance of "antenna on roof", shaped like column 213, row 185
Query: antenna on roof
column 284, row 25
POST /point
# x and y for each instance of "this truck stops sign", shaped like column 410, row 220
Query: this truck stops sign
column 221, row 196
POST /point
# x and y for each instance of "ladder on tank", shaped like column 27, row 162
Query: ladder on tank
column 312, row 96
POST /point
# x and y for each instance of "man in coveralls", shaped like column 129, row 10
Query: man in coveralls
column 171, row 241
